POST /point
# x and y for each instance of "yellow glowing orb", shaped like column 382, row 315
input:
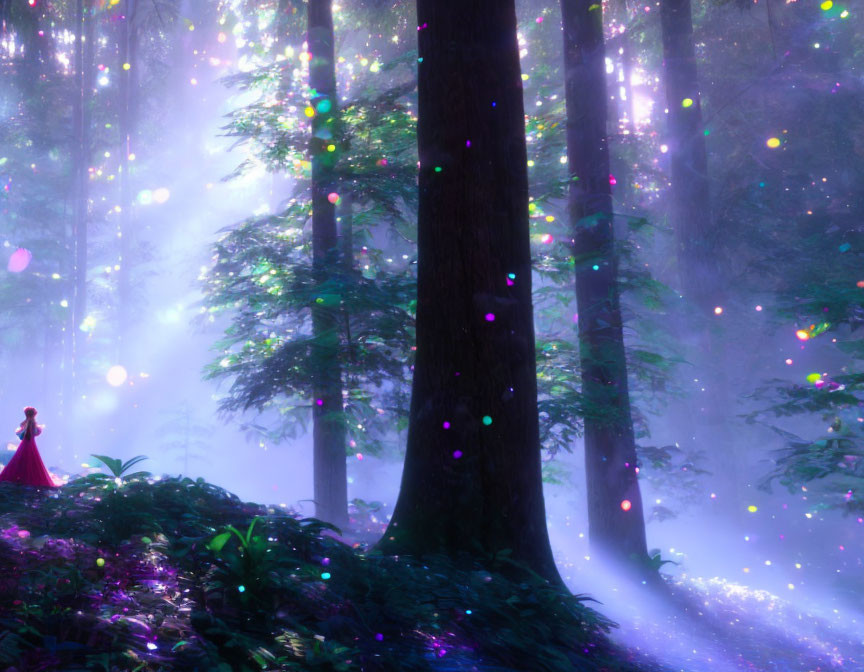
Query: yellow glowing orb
column 773, row 143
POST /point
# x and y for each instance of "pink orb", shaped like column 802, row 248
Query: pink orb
column 19, row 260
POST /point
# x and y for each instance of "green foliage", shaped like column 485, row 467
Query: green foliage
column 309, row 601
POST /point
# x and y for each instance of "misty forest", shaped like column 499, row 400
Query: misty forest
column 432, row 335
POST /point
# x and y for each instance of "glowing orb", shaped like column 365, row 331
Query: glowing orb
column 309, row 111
column 333, row 197
column 487, row 420
column 457, row 454
column 116, row 376
column 802, row 335
column 718, row 310
column 612, row 180
column 161, row 195
column 687, row 102
column 446, row 425
column 773, row 143
column 752, row 509
column 546, row 238
column 825, row 6
column 100, row 562
column 19, row 260
column 325, row 106
column 490, row 317
column 626, row 505
column 860, row 284
column 814, row 378
column 145, row 197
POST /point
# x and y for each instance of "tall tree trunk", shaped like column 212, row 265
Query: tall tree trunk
column 615, row 518
column 690, row 208
column 84, row 51
column 329, row 456
column 472, row 482
column 128, row 116
column 697, row 242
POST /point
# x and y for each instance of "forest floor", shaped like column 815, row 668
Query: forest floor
column 175, row 574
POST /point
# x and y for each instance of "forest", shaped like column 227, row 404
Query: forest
column 423, row 335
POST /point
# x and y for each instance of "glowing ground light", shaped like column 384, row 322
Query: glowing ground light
column 19, row 260
column 116, row 376
column 802, row 335
column 487, row 420
column 626, row 505
column 752, row 509
column 773, row 143
column 687, row 102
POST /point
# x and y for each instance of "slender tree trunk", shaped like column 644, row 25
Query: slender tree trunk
column 690, row 207
column 81, row 157
column 329, row 457
column 615, row 519
column 471, row 482
column 128, row 116
column 697, row 242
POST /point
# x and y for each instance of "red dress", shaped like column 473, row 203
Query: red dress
column 26, row 466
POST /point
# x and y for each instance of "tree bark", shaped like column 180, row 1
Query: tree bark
column 329, row 456
column 690, row 208
column 615, row 518
column 471, row 482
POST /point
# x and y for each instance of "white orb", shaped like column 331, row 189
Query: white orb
column 116, row 376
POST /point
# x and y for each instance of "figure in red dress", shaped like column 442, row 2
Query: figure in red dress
column 26, row 466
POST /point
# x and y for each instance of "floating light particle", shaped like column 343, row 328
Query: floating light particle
column 467, row 143
column 531, row 164
column 773, row 143
column 546, row 238
column 860, row 284
column 718, row 310
column 193, row 82
column 789, row 362
column 814, row 378
column 221, row 38
column 19, row 260
column 325, row 575
column 844, row 13
column 116, row 375
column 359, row 457
column 241, row 589
column 324, row 106
column 127, row 66
column 333, row 197
column 550, row 218
column 457, row 454
column 64, row 303
column 145, row 197
column 309, row 111
column 758, row 309
column 664, row 149
column 612, row 180
column 713, row 495
column 487, row 420
column 379, row 637
column 438, row 169
column 100, row 562
column 687, row 102
column 446, row 424
column 511, row 276
column 802, row 335
column 490, row 317
column 331, row 148
column 752, row 508
column 320, row 402
column 626, row 505
column 595, row 267
column 767, row 563
column 161, row 195
column 825, row 6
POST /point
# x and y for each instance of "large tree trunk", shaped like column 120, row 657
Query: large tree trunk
column 329, row 457
column 615, row 519
column 471, row 481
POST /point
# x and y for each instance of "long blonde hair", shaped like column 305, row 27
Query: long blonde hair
column 29, row 424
